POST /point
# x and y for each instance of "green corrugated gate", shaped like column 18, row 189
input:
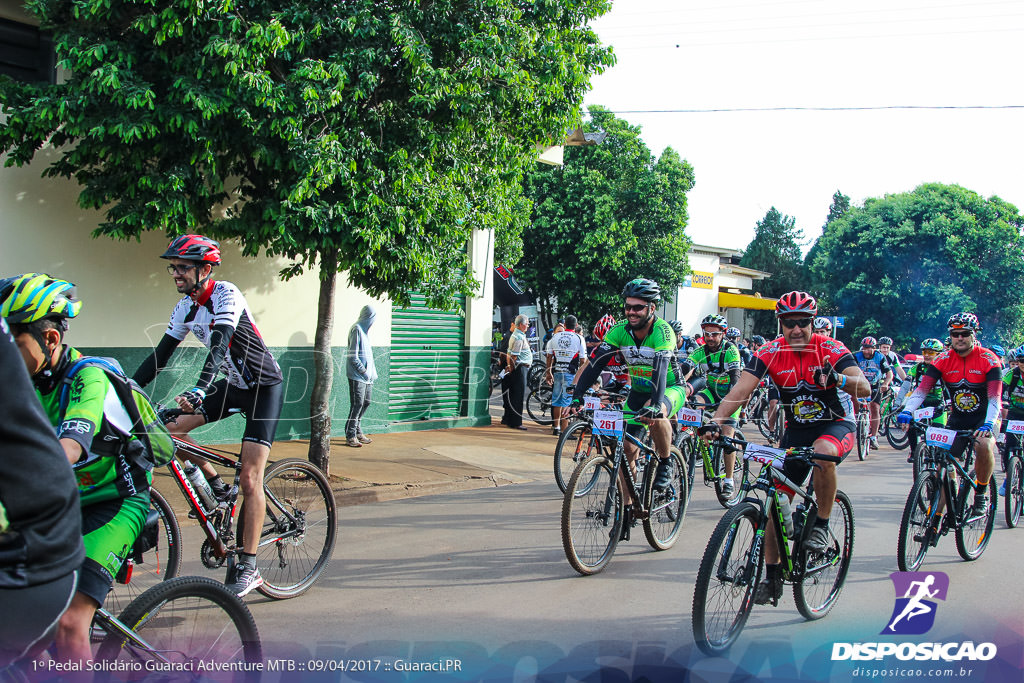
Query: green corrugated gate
column 428, row 361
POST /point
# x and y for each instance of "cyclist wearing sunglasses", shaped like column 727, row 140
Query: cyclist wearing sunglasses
column 973, row 377
column 816, row 376
column 648, row 345
column 1013, row 403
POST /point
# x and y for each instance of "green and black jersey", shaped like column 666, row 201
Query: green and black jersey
column 722, row 366
column 1013, row 394
column 95, row 418
column 640, row 355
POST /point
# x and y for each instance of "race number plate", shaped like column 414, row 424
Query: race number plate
column 591, row 403
column 1015, row 426
column 942, row 438
column 924, row 413
column 765, row 455
column 608, row 422
column 689, row 417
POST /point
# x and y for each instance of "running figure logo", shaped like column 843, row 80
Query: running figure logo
column 916, row 592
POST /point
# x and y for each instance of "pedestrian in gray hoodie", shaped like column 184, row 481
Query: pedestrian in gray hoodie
column 361, row 374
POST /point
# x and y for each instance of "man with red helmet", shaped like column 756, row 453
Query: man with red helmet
column 217, row 314
column 815, row 376
column 876, row 368
column 973, row 377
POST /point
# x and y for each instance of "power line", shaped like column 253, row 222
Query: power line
column 865, row 108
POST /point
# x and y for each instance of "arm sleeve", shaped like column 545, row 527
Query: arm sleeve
column 904, row 390
column 157, row 361
column 916, row 398
column 659, row 377
column 597, row 362
column 995, row 393
column 220, row 340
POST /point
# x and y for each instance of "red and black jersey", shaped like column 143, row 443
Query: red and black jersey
column 974, row 383
column 806, row 403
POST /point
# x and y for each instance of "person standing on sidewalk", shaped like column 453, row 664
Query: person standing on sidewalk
column 519, row 360
column 564, row 352
column 361, row 373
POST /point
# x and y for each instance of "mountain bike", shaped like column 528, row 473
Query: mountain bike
column 734, row 558
column 172, row 631
column 950, row 484
column 578, row 442
column 1013, row 467
column 298, row 532
column 594, row 514
column 863, row 427
column 712, row 457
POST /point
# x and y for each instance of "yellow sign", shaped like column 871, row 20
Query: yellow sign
column 701, row 279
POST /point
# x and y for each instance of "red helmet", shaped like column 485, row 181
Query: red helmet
column 603, row 325
column 796, row 303
column 868, row 341
column 194, row 248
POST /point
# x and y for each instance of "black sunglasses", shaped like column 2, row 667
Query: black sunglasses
column 960, row 334
column 180, row 270
column 790, row 323
column 635, row 308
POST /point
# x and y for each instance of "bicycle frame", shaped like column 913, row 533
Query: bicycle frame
column 110, row 624
column 949, row 492
column 620, row 459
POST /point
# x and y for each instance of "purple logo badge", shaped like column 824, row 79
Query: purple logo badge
column 916, row 593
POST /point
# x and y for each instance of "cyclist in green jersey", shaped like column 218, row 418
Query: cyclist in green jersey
column 94, row 432
column 1013, row 403
column 930, row 348
column 648, row 345
column 719, row 359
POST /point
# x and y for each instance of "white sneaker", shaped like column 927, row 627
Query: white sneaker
column 245, row 580
column 873, row 442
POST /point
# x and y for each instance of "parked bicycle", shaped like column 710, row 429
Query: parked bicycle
column 947, row 486
column 595, row 516
column 734, row 558
column 298, row 532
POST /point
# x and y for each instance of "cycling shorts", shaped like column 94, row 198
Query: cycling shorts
column 841, row 433
column 710, row 398
column 261, row 406
column 876, row 393
column 674, row 400
column 773, row 392
column 109, row 529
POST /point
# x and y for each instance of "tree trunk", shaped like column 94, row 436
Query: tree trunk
column 323, row 364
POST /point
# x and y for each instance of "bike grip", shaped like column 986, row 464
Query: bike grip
column 826, row 458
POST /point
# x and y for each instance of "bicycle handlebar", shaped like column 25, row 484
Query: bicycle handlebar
column 799, row 452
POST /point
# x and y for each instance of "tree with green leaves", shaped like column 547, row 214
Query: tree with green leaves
column 903, row 263
column 611, row 213
column 775, row 249
column 362, row 137
column 840, row 205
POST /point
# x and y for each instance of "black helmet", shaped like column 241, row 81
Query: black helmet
column 642, row 288
column 757, row 339
column 885, row 340
column 677, row 327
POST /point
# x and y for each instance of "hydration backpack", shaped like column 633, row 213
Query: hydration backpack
column 158, row 446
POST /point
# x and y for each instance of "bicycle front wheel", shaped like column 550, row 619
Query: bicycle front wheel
column 188, row 620
column 155, row 556
column 824, row 573
column 576, row 444
column 299, row 529
column 740, row 472
column 667, row 507
column 862, row 434
column 972, row 537
column 917, row 528
column 538, row 405
column 729, row 572
column 1014, row 502
column 896, row 434
column 591, row 515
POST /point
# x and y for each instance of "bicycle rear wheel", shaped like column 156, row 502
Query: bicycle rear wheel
column 538, row 405
column 590, row 526
column 155, row 556
column 576, row 444
column 972, row 537
column 666, row 508
column 190, row 620
column 824, row 573
column 917, row 530
column 862, row 434
column 729, row 572
column 896, row 434
column 1014, row 502
column 299, row 529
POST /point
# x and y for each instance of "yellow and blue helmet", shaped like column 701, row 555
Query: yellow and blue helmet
column 36, row 296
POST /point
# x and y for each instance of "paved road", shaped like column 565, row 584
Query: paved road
column 480, row 577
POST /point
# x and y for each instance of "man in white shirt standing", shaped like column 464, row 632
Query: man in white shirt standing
column 564, row 353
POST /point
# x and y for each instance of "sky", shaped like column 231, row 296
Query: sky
column 675, row 55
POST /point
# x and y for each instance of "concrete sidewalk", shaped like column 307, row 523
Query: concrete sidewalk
column 410, row 464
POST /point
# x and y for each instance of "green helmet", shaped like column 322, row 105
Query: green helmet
column 932, row 344
column 35, row 296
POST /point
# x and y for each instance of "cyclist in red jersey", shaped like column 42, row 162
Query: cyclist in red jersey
column 809, row 370
column 974, row 379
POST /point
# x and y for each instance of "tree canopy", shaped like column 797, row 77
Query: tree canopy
column 776, row 250
column 903, row 263
column 609, row 214
column 374, row 134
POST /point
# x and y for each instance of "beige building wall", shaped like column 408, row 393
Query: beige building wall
column 127, row 294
